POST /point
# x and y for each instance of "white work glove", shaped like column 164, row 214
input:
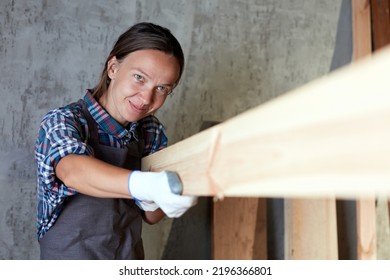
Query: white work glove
column 153, row 190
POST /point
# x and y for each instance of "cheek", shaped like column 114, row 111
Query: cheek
column 124, row 89
column 159, row 103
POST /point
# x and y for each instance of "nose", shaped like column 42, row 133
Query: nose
column 147, row 94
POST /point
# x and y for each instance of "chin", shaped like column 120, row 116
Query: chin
column 136, row 118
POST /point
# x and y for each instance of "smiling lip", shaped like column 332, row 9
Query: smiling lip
column 136, row 108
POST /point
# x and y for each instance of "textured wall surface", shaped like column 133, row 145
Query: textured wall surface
column 243, row 53
column 239, row 54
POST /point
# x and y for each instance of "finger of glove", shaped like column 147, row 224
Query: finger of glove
column 168, row 200
column 178, row 205
column 147, row 206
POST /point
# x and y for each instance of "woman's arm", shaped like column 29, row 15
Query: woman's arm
column 93, row 177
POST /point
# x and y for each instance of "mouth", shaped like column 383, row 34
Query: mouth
column 137, row 109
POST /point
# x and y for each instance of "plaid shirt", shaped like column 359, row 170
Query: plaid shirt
column 62, row 132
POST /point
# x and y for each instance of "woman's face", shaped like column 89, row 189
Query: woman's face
column 139, row 84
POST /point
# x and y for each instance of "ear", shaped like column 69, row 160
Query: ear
column 112, row 67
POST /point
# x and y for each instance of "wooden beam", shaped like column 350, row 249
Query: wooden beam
column 239, row 231
column 380, row 14
column 327, row 138
column 365, row 207
column 310, row 229
column 361, row 28
column 366, row 229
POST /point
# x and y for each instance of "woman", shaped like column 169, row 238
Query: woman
column 91, row 196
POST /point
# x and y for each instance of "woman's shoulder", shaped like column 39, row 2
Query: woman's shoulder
column 70, row 113
column 155, row 137
column 151, row 123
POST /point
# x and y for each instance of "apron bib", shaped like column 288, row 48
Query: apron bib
column 98, row 228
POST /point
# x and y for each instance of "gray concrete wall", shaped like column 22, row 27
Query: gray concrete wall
column 239, row 54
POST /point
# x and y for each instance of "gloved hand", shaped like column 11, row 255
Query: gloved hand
column 153, row 190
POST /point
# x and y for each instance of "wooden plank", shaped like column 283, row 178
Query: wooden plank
column 256, row 223
column 380, row 14
column 327, row 138
column 366, row 229
column 241, row 235
column 260, row 243
column 311, row 229
column 365, row 207
column 361, row 28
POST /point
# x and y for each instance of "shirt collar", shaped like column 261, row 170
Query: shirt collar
column 108, row 123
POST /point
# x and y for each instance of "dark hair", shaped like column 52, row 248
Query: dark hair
column 141, row 36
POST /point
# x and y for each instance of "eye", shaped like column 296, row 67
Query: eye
column 139, row 77
column 163, row 90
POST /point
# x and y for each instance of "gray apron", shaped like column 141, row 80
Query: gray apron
column 98, row 228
